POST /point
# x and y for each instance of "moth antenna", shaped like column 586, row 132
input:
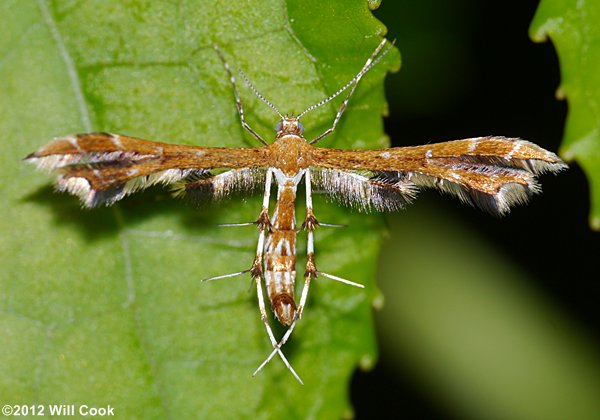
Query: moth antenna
column 259, row 95
column 238, row 101
column 374, row 59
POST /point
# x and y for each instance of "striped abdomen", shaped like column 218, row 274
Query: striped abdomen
column 280, row 253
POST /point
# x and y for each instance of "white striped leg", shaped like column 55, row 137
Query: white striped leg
column 238, row 101
column 310, row 223
column 264, row 226
column 257, row 271
column 236, row 224
column 224, row 276
column 286, row 336
column 288, row 333
column 335, row 225
column 263, row 316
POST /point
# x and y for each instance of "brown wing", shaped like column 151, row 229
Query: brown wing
column 493, row 173
column 102, row 168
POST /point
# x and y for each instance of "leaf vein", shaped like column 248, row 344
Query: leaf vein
column 69, row 64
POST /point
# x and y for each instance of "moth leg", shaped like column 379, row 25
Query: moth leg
column 263, row 316
column 256, row 271
column 264, row 227
column 286, row 336
column 334, row 225
column 310, row 224
column 277, row 345
column 224, row 276
column 236, row 224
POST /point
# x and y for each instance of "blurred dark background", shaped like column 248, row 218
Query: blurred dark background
column 470, row 69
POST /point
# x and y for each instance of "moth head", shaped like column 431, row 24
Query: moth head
column 289, row 125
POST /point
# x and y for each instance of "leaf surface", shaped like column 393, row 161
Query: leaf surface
column 106, row 306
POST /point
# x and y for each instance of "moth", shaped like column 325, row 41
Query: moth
column 492, row 173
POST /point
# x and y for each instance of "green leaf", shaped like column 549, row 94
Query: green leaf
column 105, row 306
column 573, row 27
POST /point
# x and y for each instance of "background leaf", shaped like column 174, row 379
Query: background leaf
column 573, row 28
column 105, row 306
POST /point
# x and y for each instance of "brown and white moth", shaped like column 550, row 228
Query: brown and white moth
column 492, row 173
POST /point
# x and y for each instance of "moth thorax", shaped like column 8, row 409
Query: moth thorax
column 284, row 307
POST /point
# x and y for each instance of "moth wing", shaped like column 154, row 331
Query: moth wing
column 199, row 187
column 102, row 168
column 363, row 190
column 492, row 173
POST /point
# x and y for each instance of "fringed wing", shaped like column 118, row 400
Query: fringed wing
column 492, row 173
column 363, row 190
column 205, row 186
column 102, row 168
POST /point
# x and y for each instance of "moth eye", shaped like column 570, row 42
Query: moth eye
column 300, row 127
column 278, row 126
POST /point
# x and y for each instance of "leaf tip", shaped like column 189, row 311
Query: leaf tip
column 374, row 4
column 366, row 362
column 378, row 302
column 595, row 222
